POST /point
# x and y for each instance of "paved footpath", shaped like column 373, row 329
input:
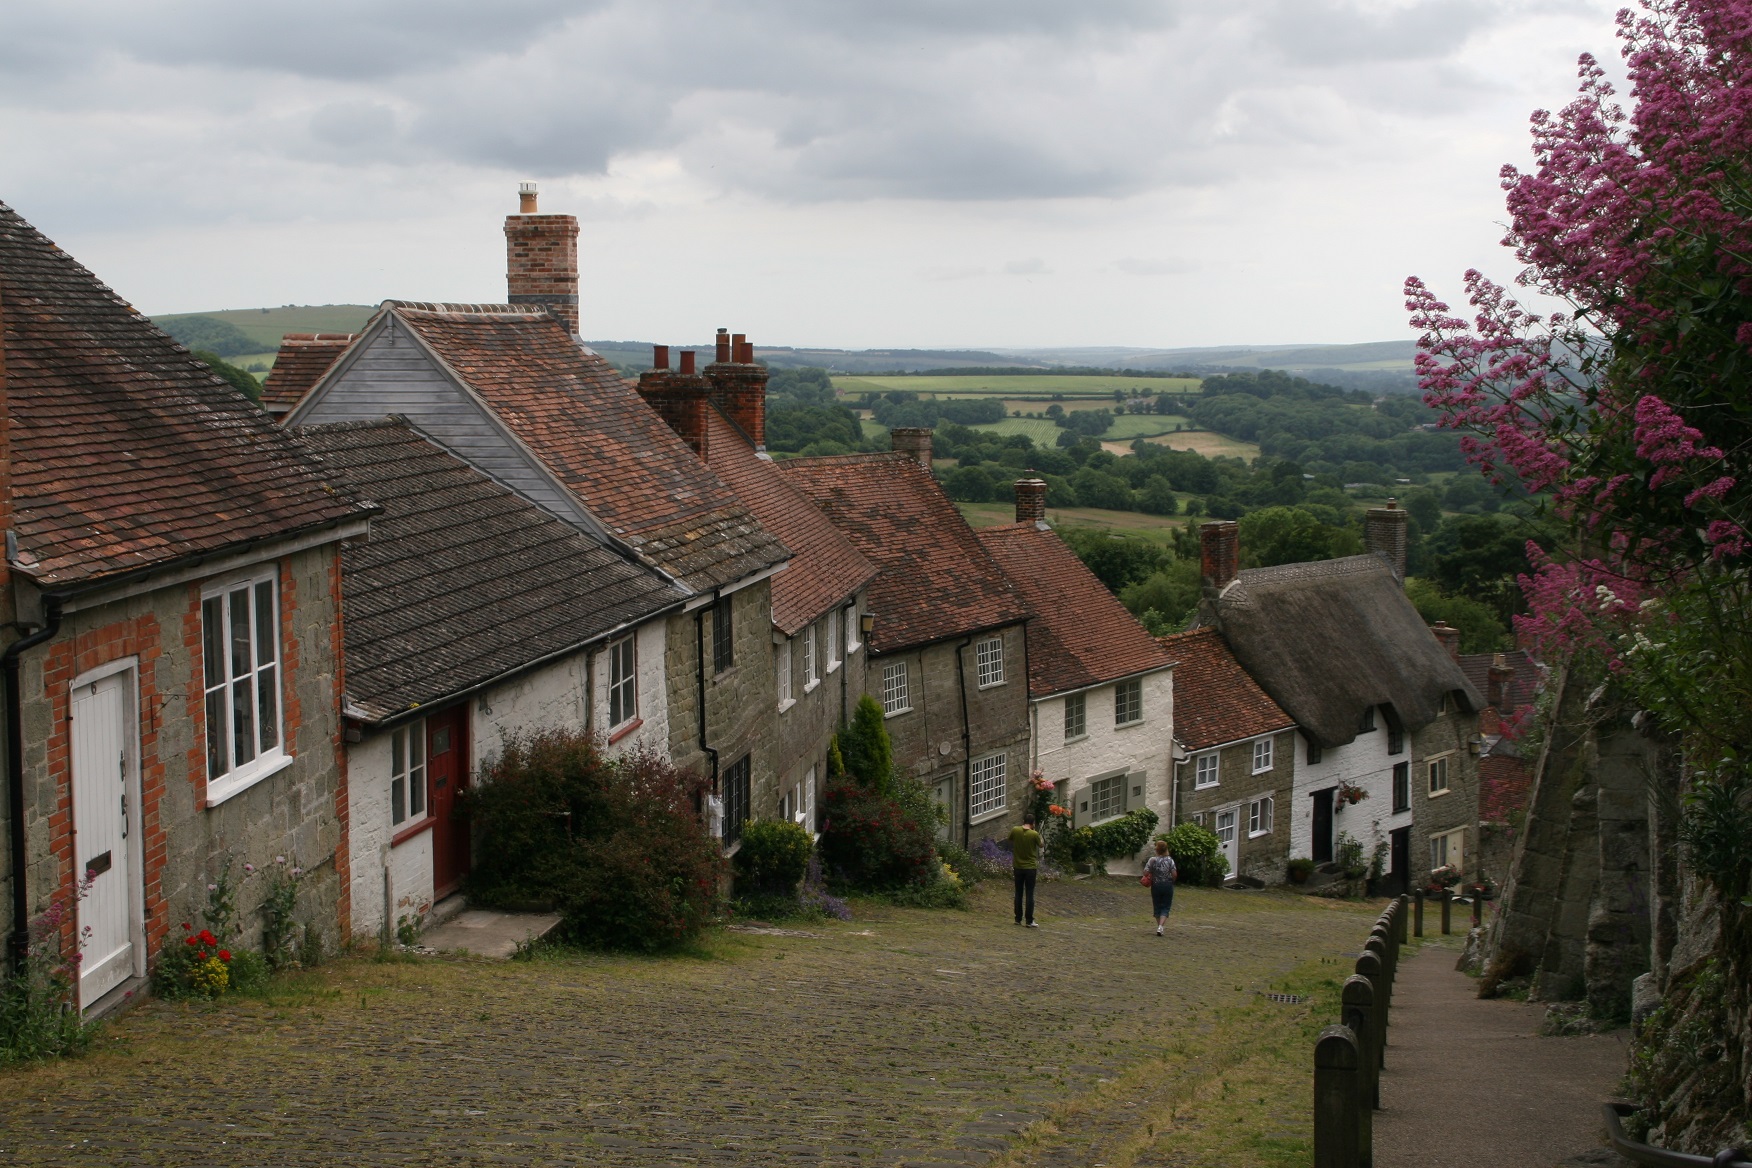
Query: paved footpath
column 1471, row 1084
column 899, row 1038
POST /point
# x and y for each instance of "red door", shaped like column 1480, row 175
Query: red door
column 447, row 772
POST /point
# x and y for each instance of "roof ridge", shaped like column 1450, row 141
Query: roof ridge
column 451, row 308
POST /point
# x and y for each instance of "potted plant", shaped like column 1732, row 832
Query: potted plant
column 1300, row 869
column 1348, row 793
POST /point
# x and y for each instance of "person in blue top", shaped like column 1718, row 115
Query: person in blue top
column 1162, row 871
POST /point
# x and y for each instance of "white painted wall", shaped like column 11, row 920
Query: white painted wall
column 1143, row 746
column 408, row 865
column 1362, row 762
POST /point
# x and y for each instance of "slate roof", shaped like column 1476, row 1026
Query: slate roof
column 127, row 452
column 1328, row 639
column 589, row 426
column 463, row 579
column 1523, row 686
column 826, row 569
column 303, row 358
column 1080, row 635
column 935, row 579
column 1215, row 702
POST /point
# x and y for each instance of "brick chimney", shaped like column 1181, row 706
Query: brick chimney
column 678, row 397
column 1030, row 501
column 912, row 440
column 1450, row 638
column 541, row 264
column 739, row 386
column 1384, row 533
column 1219, row 543
column 1497, row 687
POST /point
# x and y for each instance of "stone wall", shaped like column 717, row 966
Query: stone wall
column 741, row 702
column 1265, row 856
column 1451, row 737
column 808, row 724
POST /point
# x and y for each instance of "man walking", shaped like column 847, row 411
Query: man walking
column 1025, row 864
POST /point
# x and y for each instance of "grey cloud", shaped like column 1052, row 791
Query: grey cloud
column 1033, row 266
column 1139, row 266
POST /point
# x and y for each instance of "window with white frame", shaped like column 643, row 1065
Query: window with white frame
column 1259, row 816
column 810, row 677
column 1226, row 827
column 1076, row 716
column 240, row 648
column 1204, row 770
column 1448, row 848
column 623, row 683
column 833, row 640
column 1106, row 798
column 1438, row 772
column 990, row 657
column 782, row 668
column 989, row 784
column 1128, row 702
column 851, row 621
column 407, row 773
column 894, row 688
column 1261, row 755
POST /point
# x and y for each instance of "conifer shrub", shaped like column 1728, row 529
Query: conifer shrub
column 616, row 846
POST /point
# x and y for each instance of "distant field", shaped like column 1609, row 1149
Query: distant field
column 1038, row 388
column 1043, row 431
column 1155, row 527
column 1208, row 444
column 266, row 326
column 1129, row 426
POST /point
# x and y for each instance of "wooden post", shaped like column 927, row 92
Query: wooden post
column 1359, row 1016
column 1404, row 903
column 1447, row 908
column 1369, row 966
column 1417, row 914
column 1383, row 986
column 1337, row 1098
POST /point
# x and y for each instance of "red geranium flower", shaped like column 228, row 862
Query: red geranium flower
column 225, row 955
column 201, row 955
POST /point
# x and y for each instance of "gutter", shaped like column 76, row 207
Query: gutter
column 700, row 675
column 966, row 747
column 9, row 663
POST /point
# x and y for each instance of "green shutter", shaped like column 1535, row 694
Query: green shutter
column 1135, row 789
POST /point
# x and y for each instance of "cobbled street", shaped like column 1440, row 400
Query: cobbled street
column 902, row 1037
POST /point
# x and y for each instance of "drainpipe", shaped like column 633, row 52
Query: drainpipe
column 20, row 940
column 966, row 749
column 700, row 673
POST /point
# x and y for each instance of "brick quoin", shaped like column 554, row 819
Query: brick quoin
column 137, row 637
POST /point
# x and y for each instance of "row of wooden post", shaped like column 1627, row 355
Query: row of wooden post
column 1348, row 1057
column 1447, row 900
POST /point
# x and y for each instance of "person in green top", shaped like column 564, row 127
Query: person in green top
column 1025, row 864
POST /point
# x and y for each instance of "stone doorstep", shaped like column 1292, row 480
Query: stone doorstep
column 488, row 933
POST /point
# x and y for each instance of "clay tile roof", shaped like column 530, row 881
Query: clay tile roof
column 1523, row 685
column 1080, row 635
column 303, row 358
column 1215, row 701
column 1329, row 639
column 127, row 453
column 462, row 579
column 599, row 438
column 825, row 568
column 934, row 579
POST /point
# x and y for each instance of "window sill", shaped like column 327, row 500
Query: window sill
column 787, row 704
column 233, row 785
column 833, row 667
column 403, row 835
column 1083, row 737
column 1265, row 770
column 897, row 713
column 989, row 685
column 812, row 686
column 988, row 816
column 724, row 675
column 1128, row 725
column 1206, row 786
column 1443, row 792
column 854, row 647
column 615, row 736
column 1253, row 835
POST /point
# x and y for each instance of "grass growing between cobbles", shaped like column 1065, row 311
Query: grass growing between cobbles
column 902, row 1037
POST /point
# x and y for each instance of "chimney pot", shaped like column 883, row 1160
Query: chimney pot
column 687, row 362
column 1449, row 636
column 659, row 356
column 1219, row 543
column 722, row 353
column 914, row 441
column 526, row 193
column 1030, row 501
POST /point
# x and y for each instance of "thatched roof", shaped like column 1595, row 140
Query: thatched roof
column 1329, row 639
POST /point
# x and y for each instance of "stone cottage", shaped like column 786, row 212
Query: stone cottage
column 173, row 703
column 1235, row 763
column 1100, row 689
column 948, row 650
column 471, row 615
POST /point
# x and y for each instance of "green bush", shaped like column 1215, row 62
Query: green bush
column 865, row 746
column 1198, row 855
column 617, row 846
column 772, row 858
column 1116, row 839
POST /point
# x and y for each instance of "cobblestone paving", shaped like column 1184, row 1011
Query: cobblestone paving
column 902, row 1038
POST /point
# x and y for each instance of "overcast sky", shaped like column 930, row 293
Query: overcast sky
column 811, row 172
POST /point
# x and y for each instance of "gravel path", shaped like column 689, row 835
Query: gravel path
column 900, row 1038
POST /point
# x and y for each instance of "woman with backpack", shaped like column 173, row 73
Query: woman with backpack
column 1159, row 875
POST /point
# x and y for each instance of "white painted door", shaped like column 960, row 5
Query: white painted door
column 1226, row 836
column 101, row 830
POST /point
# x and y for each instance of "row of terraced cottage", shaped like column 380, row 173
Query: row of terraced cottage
column 239, row 634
